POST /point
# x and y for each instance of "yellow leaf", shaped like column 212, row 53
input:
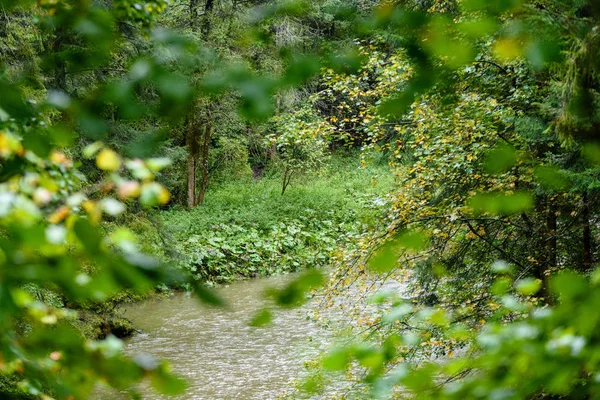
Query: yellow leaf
column 108, row 160
column 508, row 49
column 58, row 215
column 128, row 189
column 58, row 157
column 163, row 195
column 93, row 210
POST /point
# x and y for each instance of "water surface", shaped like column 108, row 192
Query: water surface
column 217, row 352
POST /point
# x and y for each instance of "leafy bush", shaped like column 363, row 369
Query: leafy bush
column 301, row 142
column 246, row 228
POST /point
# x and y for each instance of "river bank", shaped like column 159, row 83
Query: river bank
column 247, row 229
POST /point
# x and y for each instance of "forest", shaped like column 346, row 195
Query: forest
column 292, row 199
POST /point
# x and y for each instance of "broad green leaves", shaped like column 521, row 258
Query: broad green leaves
column 559, row 341
column 500, row 159
column 386, row 257
column 261, row 318
column 51, row 216
column 501, row 203
column 295, row 293
column 437, row 88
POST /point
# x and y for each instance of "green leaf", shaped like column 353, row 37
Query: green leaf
column 591, row 151
column 397, row 313
column 500, row 159
column 90, row 150
column 261, row 318
column 386, row 257
column 396, row 106
column 208, row 296
column 568, row 285
column 336, row 360
column 552, row 178
column 498, row 203
column 38, row 143
column 528, row 286
column 89, row 235
column 93, row 126
column 167, row 383
column 158, row 164
column 301, row 69
column 153, row 194
column 294, row 293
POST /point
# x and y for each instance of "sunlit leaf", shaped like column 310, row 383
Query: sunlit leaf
column 108, row 160
column 153, row 194
column 528, row 286
column 501, row 203
column 508, row 49
column 336, row 360
column 112, row 207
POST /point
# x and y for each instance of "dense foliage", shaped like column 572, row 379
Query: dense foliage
column 248, row 229
column 213, row 129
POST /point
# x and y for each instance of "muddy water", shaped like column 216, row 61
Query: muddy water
column 217, row 352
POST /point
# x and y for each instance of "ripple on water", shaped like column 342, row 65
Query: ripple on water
column 217, row 352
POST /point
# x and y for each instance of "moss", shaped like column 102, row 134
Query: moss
column 99, row 326
column 9, row 388
column 98, row 320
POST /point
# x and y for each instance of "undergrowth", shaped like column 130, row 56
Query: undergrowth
column 247, row 228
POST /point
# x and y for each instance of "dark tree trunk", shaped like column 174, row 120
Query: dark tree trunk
column 287, row 177
column 60, row 65
column 193, row 8
column 544, row 244
column 192, row 161
column 206, row 23
column 273, row 150
column 552, row 239
column 204, row 157
column 550, row 258
column 587, row 235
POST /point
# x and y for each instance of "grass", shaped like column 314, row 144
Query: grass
column 341, row 187
column 247, row 228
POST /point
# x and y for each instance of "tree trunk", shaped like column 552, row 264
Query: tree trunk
column 287, row 177
column 192, row 161
column 587, row 235
column 206, row 25
column 544, row 244
column 193, row 6
column 204, row 157
column 60, row 65
column 273, row 149
column 552, row 240
column 550, row 258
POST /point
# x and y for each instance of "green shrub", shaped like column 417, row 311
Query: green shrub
column 246, row 228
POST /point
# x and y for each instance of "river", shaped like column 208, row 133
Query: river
column 217, row 352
